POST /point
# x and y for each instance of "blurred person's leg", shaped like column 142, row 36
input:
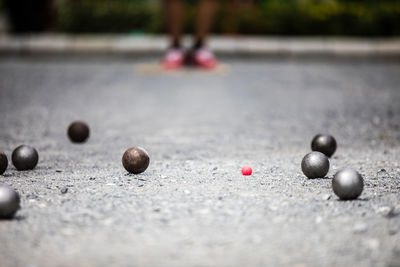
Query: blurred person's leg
column 174, row 13
column 204, row 18
column 201, row 56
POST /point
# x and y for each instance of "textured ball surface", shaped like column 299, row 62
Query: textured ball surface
column 246, row 170
column 324, row 143
column 135, row 160
column 78, row 132
column 9, row 201
column 315, row 165
column 347, row 184
column 25, row 158
column 3, row 162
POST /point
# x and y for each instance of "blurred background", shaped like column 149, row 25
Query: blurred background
column 369, row 18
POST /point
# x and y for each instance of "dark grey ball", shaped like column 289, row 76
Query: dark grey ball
column 25, row 158
column 78, row 132
column 3, row 162
column 347, row 184
column 315, row 165
column 135, row 160
column 324, row 143
column 9, row 201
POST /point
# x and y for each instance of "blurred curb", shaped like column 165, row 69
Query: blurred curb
column 226, row 46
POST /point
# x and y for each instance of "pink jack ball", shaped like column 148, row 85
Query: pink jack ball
column 246, row 170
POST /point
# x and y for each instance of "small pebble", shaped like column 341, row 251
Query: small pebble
column 387, row 212
column 32, row 196
column 393, row 227
column 376, row 120
column 360, row 228
column 326, row 197
column 64, row 190
column 372, row 243
column 382, row 174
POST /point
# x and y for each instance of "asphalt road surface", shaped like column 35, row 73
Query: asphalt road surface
column 192, row 207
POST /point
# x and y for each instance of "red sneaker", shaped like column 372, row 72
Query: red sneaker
column 173, row 59
column 202, row 58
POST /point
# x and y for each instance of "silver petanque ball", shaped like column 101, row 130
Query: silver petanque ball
column 347, row 184
column 324, row 143
column 9, row 201
column 25, row 158
column 315, row 165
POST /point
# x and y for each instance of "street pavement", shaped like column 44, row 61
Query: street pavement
column 193, row 207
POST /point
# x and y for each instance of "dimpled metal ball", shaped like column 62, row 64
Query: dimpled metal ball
column 324, row 143
column 78, row 132
column 315, row 165
column 3, row 162
column 347, row 184
column 25, row 158
column 135, row 160
column 9, row 201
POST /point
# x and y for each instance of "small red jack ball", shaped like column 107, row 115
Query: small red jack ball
column 246, row 170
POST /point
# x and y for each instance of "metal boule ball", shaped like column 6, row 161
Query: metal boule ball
column 324, row 143
column 3, row 162
column 78, row 132
column 135, row 160
column 9, row 201
column 347, row 184
column 315, row 165
column 25, row 158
